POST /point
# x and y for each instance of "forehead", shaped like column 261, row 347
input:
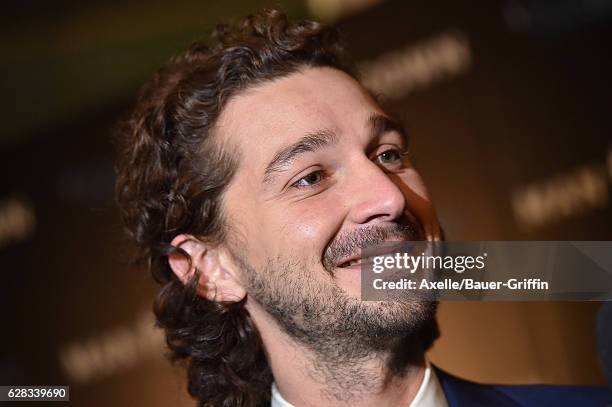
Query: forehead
column 269, row 116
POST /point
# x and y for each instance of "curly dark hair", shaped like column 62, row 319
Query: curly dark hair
column 172, row 173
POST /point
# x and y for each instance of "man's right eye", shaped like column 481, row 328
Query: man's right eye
column 309, row 180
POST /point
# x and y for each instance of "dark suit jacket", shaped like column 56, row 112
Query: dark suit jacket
column 460, row 393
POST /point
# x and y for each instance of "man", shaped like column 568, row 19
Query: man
column 252, row 170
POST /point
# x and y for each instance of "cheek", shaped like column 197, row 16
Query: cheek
column 308, row 226
column 290, row 229
column 305, row 222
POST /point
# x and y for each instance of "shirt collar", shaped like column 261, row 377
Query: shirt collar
column 430, row 393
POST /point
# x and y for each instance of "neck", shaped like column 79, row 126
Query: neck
column 338, row 376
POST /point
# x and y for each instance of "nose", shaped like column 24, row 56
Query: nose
column 373, row 196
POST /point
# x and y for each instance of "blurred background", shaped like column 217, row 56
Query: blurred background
column 508, row 103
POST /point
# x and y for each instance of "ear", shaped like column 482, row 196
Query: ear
column 217, row 281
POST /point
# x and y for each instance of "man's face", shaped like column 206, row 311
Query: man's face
column 321, row 171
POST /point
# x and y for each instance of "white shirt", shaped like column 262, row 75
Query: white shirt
column 430, row 393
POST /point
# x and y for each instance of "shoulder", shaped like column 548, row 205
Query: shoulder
column 460, row 392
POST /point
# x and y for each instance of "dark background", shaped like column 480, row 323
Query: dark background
column 514, row 145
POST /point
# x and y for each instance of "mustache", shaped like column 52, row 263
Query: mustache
column 351, row 242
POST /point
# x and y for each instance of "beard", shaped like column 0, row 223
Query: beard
column 338, row 329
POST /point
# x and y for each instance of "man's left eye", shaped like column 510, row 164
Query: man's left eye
column 390, row 156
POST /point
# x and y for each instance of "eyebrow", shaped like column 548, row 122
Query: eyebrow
column 381, row 124
column 378, row 124
column 308, row 143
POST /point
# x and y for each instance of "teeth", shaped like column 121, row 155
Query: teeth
column 358, row 261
